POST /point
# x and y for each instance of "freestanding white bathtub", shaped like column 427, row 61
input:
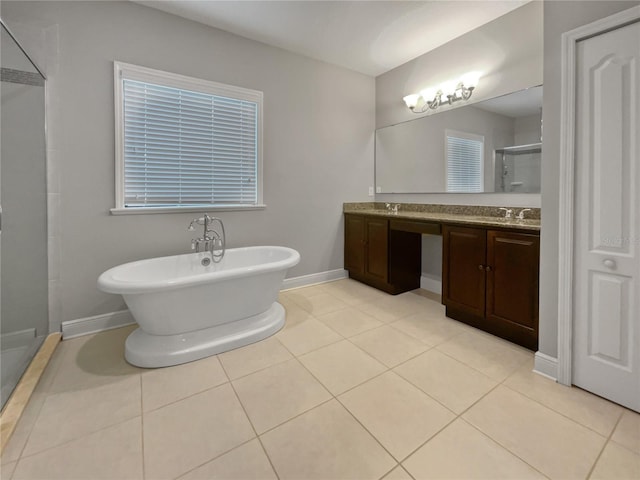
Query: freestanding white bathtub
column 188, row 311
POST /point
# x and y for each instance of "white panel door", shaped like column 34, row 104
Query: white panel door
column 606, row 346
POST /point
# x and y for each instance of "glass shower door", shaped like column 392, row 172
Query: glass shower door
column 23, row 202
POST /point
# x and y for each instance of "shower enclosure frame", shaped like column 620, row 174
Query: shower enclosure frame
column 37, row 345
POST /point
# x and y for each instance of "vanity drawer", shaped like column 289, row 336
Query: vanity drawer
column 416, row 227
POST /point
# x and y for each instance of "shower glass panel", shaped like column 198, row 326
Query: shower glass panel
column 23, row 199
column 518, row 168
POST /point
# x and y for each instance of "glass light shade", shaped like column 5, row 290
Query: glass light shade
column 411, row 100
column 470, row 79
column 429, row 94
column 449, row 88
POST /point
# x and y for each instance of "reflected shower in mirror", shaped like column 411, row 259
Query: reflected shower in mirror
column 490, row 146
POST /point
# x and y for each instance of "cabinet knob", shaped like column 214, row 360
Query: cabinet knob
column 488, row 268
column 480, row 267
column 609, row 263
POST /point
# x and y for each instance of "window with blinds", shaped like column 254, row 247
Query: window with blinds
column 464, row 156
column 185, row 143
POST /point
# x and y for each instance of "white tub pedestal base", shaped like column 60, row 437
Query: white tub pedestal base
column 151, row 351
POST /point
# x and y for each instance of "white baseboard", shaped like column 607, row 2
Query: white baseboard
column 21, row 338
column 98, row 323
column 431, row 284
column 546, row 366
column 314, row 278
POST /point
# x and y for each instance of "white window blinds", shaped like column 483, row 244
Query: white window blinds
column 464, row 162
column 187, row 147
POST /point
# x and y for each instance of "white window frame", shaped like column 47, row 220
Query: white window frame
column 466, row 136
column 135, row 72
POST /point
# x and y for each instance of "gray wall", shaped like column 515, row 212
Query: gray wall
column 559, row 17
column 527, row 129
column 318, row 141
column 507, row 50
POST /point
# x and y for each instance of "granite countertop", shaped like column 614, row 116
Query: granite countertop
column 468, row 215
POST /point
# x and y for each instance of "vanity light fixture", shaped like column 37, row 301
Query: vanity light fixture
column 447, row 93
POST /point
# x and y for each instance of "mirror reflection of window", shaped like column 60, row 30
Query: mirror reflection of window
column 465, row 161
column 410, row 156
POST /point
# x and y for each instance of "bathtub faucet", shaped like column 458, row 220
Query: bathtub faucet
column 212, row 240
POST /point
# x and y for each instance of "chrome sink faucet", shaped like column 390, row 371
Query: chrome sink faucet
column 212, row 240
column 508, row 213
column 392, row 208
column 520, row 215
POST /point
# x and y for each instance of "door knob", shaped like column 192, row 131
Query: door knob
column 609, row 263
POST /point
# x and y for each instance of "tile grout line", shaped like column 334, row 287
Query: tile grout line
column 557, row 411
column 479, row 371
column 604, row 446
column 144, row 473
column 502, row 446
column 392, row 469
column 378, row 441
column 173, row 402
column 66, row 442
column 222, row 454
column 236, row 446
column 45, row 394
column 618, row 444
column 334, row 397
column 388, row 369
column 420, row 340
column 457, row 415
column 270, row 429
column 48, row 394
column 257, row 436
column 404, row 469
column 560, row 413
column 502, row 383
column 429, row 347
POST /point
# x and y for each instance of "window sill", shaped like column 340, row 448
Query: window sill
column 155, row 210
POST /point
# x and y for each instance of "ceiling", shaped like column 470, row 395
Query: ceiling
column 371, row 37
column 516, row 104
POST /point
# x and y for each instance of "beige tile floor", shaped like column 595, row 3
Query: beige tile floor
column 358, row 385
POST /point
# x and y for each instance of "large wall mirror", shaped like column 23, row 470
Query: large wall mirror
column 489, row 146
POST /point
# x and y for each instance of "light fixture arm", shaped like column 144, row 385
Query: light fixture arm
column 423, row 102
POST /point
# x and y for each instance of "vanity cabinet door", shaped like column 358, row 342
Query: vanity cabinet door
column 366, row 247
column 512, row 285
column 377, row 248
column 354, row 243
column 463, row 269
column 379, row 256
column 490, row 281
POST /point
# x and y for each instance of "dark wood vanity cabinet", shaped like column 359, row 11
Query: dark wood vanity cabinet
column 378, row 256
column 366, row 246
column 490, row 281
column 463, row 274
column 489, row 274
